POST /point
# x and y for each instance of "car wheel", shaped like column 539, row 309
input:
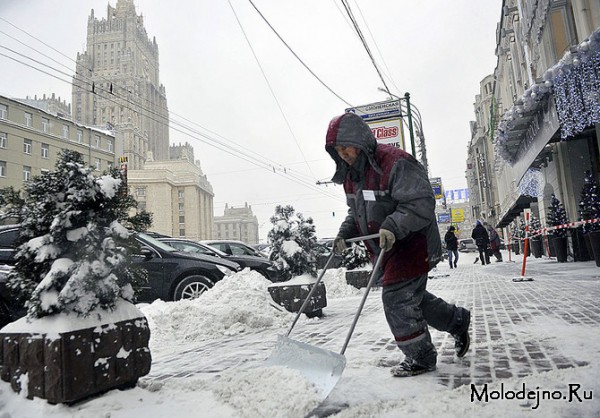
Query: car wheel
column 192, row 287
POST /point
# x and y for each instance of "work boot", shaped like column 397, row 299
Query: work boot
column 462, row 339
column 455, row 264
column 409, row 368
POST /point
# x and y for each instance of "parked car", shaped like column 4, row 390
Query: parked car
column 6, row 310
column 174, row 274
column 8, row 238
column 233, row 247
column 467, row 245
column 256, row 263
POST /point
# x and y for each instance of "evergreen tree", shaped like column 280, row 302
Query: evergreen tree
column 589, row 203
column 355, row 256
column 293, row 242
column 557, row 216
column 534, row 225
column 74, row 252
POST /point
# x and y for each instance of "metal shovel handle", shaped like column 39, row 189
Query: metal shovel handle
column 362, row 302
column 316, row 284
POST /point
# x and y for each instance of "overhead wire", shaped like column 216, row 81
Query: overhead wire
column 269, row 85
column 220, row 145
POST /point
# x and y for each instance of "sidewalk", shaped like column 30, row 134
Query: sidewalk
column 539, row 339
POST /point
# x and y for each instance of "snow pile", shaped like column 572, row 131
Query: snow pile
column 261, row 392
column 336, row 285
column 234, row 305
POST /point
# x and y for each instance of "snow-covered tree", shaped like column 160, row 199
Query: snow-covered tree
column 74, row 255
column 293, row 242
column 557, row 216
column 589, row 203
column 534, row 225
column 355, row 256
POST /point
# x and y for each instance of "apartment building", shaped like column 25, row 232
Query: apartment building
column 31, row 139
column 237, row 224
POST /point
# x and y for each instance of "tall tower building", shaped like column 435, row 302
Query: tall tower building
column 117, row 84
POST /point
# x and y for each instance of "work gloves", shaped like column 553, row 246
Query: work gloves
column 339, row 244
column 386, row 239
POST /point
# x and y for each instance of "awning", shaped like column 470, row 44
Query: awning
column 522, row 202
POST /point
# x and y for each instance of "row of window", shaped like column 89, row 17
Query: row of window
column 28, row 121
column 27, row 146
column 27, row 169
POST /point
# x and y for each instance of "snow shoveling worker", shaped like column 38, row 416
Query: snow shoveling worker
column 388, row 193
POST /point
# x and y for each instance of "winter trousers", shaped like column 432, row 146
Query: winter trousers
column 409, row 309
column 483, row 255
column 455, row 254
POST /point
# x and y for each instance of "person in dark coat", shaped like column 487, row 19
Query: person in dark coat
column 388, row 193
column 482, row 240
column 494, row 242
column 451, row 245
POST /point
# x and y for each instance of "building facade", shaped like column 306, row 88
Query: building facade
column 483, row 188
column 237, row 224
column 546, row 112
column 117, row 84
column 31, row 139
column 177, row 194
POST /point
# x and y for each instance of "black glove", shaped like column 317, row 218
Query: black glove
column 339, row 244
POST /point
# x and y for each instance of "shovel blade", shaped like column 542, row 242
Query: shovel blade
column 321, row 367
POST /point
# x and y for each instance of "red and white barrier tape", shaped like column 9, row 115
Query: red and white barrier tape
column 543, row 231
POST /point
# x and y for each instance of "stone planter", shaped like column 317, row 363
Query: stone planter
column 66, row 367
column 358, row 278
column 515, row 248
column 588, row 245
column 560, row 248
column 292, row 296
column 335, row 263
column 580, row 248
column 536, row 247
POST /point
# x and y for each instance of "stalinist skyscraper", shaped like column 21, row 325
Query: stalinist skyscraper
column 117, row 84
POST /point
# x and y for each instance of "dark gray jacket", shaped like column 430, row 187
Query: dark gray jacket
column 386, row 188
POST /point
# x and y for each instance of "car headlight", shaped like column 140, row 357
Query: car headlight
column 225, row 270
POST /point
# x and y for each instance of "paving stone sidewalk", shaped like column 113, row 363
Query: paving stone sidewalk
column 503, row 312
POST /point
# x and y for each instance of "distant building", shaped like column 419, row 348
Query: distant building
column 177, row 193
column 31, row 139
column 237, row 224
column 117, row 84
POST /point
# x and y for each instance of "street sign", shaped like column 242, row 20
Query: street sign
column 377, row 111
column 385, row 121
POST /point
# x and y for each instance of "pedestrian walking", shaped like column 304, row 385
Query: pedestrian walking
column 482, row 240
column 388, row 192
column 451, row 245
column 494, row 242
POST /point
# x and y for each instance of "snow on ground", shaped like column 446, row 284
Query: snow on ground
column 241, row 305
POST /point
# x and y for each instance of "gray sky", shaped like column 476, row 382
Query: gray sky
column 436, row 50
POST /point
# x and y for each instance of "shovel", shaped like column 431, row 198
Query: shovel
column 321, row 367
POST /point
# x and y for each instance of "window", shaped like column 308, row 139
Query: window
column 27, row 145
column 45, row 150
column 181, row 207
column 2, row 168
column 3, row 140
column 98, row 165
column 182, row 219
column 109, row 144
column 26, row 173
column 65, row 131
column 141, row 206
column 45, row 124
column 180, row 194
column 140, row 191
column 3, row 111
column 79, row 136
column 97, row 138
column 182, row 232
column 28, row 119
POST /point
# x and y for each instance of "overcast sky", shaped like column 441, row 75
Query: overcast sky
column 240, row 85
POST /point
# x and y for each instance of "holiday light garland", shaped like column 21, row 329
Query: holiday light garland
column 575, row 84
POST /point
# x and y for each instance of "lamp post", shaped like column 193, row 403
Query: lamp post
column 413, row 115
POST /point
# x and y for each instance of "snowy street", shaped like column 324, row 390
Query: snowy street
column 534, row 352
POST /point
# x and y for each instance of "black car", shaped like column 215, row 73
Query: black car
column 8, row 239
column 256, row 263
column 175, row 274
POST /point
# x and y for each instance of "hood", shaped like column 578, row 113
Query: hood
column 351, row 131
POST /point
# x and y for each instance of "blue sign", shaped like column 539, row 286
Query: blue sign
column 443, row 218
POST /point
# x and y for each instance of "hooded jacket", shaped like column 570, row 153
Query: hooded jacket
column 386, row 188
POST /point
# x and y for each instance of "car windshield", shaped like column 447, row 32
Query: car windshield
column 196, row 247
column 156, row 243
